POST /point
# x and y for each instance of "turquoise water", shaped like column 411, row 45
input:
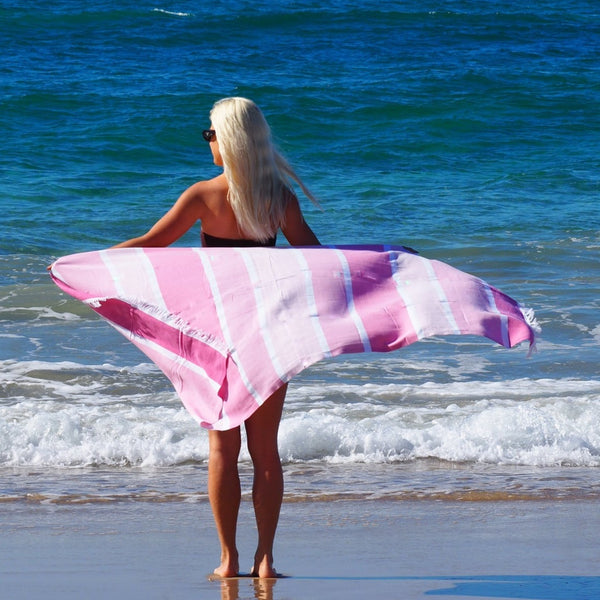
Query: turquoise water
column 468, row 130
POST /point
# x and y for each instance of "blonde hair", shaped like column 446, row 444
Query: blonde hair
column 257, row 174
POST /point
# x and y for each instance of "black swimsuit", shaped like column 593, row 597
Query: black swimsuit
column 211, row 241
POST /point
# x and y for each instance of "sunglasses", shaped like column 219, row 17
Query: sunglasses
column 209, row 135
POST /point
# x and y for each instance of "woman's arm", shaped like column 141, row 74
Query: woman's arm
column 175, row 223
column 295, row 228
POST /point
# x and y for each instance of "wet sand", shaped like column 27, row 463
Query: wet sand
column 327, row 550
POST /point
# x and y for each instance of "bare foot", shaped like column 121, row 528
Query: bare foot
column 224, row 573
column 228, row 568
column 263, row 568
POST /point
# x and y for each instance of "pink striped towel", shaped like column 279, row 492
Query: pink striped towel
column 228, row 326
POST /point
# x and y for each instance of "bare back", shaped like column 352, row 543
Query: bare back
column 206, row 201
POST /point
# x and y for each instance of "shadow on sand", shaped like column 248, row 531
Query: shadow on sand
column 532, row 587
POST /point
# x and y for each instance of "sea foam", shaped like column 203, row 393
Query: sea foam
column 67, row 414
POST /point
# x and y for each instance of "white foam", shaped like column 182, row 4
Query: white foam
column 67, row 414
column 41, row 312
column 170, row 12
column 528, row 422
column 60, row 435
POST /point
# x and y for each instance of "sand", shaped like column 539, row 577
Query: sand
column 328, row 550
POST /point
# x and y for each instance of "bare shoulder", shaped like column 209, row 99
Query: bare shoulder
column 218, row 183
column 203, row 189
column 203, row 195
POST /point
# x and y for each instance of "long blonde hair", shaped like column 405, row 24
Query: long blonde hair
column 257, row 174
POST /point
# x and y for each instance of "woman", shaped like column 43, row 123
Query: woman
column 244, row 206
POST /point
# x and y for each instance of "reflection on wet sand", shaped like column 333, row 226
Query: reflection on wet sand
column 263, row 588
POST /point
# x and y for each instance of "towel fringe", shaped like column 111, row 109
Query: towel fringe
column 529, row 316
column 168, row 318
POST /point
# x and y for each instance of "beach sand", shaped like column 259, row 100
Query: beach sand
column 328, row 550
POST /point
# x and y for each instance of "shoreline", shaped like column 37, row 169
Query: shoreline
column 330, row 550
column 420, row 481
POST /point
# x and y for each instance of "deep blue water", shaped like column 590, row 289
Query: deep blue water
column 466, row 129
column 445, row 121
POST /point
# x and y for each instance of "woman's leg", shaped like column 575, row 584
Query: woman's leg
column 225, row 494
column 267, row 491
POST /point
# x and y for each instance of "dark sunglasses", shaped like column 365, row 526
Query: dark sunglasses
column 209, row 135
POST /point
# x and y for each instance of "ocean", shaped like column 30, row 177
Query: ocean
column 465, row 129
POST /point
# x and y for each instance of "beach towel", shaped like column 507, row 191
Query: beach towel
column 229, row 326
